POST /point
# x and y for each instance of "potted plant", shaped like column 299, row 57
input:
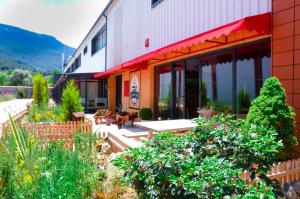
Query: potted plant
column 146, row 114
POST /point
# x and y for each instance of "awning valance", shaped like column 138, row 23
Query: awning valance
column 247, row 28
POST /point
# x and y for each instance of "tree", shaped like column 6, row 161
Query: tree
column 270, row 109
column 70, row 100
column 40, row 90
column 20, row 78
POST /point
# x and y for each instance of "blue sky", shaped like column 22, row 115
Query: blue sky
column 67, row 20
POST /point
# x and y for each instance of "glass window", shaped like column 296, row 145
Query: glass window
column 192, row 87
column 99, row 41
column 155, row 2
column 179, row 92
column 253, row 67
column 217, row 80
column 164, row 92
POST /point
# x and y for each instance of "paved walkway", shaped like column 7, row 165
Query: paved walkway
column 13, row 107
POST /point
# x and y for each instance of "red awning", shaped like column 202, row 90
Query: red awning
column 247, row 28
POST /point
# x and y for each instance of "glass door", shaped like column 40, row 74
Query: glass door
column 192, row 87
column 179, row 98
column 163, row 92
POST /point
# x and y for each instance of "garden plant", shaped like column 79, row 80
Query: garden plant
column 33, row 169
column 145, row 114
column 204, row 163
column 40, row 90
column 70, row 101
column 270, row 109
column 21, row 93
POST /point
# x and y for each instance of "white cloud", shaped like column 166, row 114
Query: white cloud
column 68, row 21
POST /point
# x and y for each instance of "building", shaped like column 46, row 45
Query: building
column 157, row 53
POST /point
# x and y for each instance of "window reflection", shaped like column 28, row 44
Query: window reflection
column 178, row 83
column 179, row 93
column 164, row 91
column 217, row 77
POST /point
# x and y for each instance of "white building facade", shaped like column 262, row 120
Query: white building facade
column 132, row 28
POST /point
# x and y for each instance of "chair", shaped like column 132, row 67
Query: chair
column 126, row 117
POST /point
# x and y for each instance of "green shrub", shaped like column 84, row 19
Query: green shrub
column 21, row 93
column 40, row 90
column 270, row 109
column 243, row 100
column 205, row 163
column 145, row 114
column 31, row 169
column 70, row 101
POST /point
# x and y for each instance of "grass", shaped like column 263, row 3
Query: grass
column 4, row 98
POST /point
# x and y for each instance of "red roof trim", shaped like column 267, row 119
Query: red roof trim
column 260, row 23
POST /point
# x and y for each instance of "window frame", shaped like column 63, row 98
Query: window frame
column 154, row 4
column 100, row 37
column 231, row 49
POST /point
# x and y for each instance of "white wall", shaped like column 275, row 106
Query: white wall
column 90, row 63
column 130, row 22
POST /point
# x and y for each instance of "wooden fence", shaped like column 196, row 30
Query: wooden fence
column 63, row 131
column 284, row 172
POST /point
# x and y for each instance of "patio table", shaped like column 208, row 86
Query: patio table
column 180, row 125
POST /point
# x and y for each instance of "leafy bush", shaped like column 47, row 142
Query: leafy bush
column 21, row 93
column 70, row 101
column 40, row 90
column 205, row 163
column 30, row 169
column 145, row 114
column 270, row 109
column 243, row 100
column 44, row 113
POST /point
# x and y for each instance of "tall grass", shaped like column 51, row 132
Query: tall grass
column 31, row 169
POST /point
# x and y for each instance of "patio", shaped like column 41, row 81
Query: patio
column 132, row 136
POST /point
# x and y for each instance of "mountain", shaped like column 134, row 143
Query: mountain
column 21, row 48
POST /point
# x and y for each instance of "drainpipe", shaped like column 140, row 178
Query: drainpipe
column 106, row 40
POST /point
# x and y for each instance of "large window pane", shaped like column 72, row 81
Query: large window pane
column 164, row 91
column 253, row 67
column 192, row 87
column 179, row 93
column 217, row 77
column 266, row 67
